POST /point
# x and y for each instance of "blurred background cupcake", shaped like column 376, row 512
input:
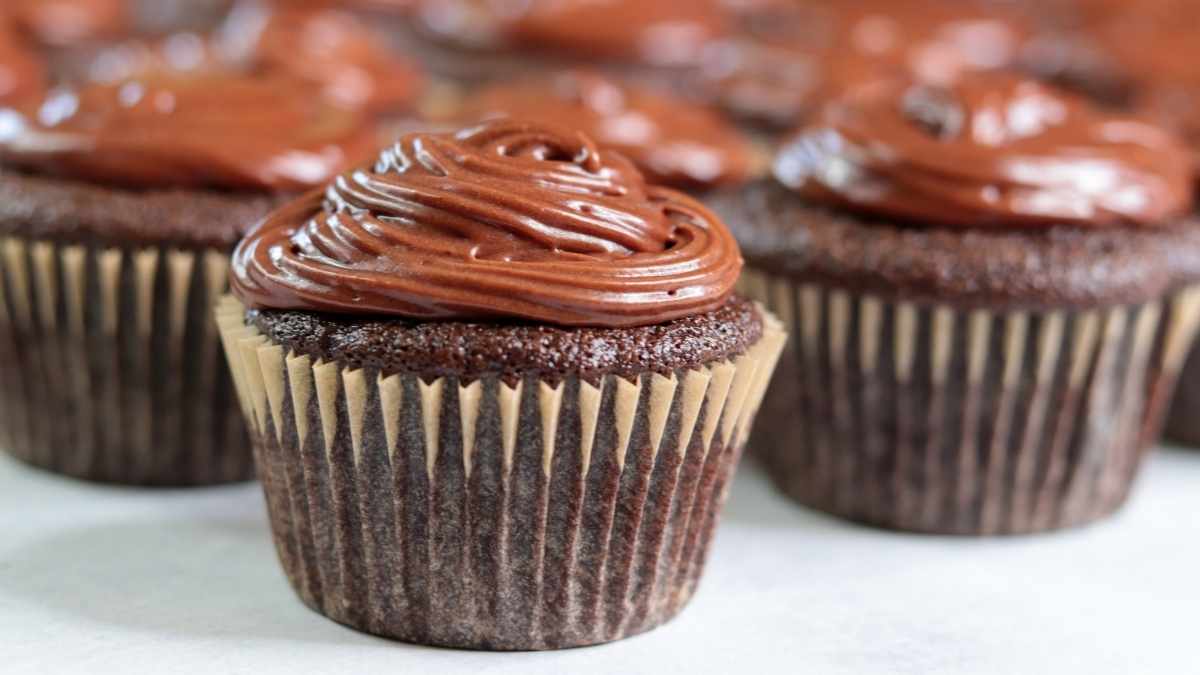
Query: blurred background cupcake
column 498, row 388
column 989, row 284
column 125, row 185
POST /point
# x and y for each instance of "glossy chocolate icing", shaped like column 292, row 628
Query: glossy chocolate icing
column 672, row 141
column 994, row 150
column 507, row 220
column 170, row 129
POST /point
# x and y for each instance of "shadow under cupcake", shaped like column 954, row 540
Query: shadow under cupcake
column 990, row 287
column 497, row 388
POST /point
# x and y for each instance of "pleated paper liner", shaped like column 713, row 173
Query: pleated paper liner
column 492, row 514
column 112, row 367
column 933, row 419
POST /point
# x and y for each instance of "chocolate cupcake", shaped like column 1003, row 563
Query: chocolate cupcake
column 497, row 387
column 991, row 288
column 672, row 141
column 119, row 204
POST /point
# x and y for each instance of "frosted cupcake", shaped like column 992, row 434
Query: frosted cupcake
column 498, row 386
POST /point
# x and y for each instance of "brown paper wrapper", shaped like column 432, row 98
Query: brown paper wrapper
column 490, row 514
column 112, row 366
column 934, row 419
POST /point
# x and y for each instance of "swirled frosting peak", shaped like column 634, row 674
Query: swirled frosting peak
column 207, row 129
column 991, row 150
column 508, row 220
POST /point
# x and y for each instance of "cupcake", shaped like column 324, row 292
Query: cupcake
column 991, row 285
column 119, row 205
column 672, row 141
column 497, row 387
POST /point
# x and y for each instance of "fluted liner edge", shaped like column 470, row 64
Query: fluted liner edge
column 930, row 418
column 112, row 364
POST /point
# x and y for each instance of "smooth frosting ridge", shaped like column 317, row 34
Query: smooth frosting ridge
column 506, row 220
column 991, row 150
column 673, row 142
column 207, row 129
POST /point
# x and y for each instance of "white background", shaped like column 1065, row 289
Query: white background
column 109, row 580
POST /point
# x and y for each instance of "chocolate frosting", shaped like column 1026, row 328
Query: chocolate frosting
column 993, row 150
column 207, row 129
column 658, row 32
column 673, row 142
column 507, row 220
column 332, row 49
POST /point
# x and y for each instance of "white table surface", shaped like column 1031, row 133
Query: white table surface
column 108, row 580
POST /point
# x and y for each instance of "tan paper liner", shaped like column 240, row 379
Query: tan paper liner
column 933, row 419
column 487, row 514
column 111, row 364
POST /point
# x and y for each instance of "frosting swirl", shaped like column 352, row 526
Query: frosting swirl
column 207, row 129
column 507, row 220
column 673, row 142
column 993, row 150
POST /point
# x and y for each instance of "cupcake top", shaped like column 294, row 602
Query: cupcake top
column 673, row 142
column 658, row 32
column 508, row 220
column 330, row 48
column 993, row 150
column 187, row 130
column 22, row 70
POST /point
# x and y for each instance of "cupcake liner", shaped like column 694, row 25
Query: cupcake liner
column 936, row 419
column 493, row 514
column 112, row 368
